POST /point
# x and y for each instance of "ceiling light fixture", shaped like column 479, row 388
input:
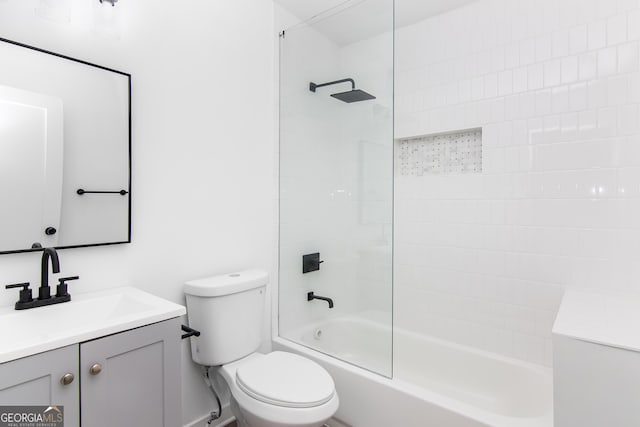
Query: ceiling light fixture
column 113, row 2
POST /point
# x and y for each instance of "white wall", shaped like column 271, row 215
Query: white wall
column 202, row 141
column 483, row 259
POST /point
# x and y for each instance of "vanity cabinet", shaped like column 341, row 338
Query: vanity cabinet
column 131, row 378
column 37, row 380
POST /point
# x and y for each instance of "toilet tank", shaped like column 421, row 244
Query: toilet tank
column 228, row 310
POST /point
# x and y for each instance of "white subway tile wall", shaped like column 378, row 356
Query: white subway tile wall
column 483, row 259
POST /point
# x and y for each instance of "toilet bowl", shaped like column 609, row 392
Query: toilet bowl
column 276, row 389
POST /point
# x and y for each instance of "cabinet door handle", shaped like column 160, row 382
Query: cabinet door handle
column 67, row 379
column 95, row 369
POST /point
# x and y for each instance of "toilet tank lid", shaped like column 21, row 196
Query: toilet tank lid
column 227, row 284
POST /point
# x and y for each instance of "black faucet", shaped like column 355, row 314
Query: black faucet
column 48, row 253
column 311, row 296
column 44, row 294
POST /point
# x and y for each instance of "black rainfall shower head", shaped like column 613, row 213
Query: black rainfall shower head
column 353, row 95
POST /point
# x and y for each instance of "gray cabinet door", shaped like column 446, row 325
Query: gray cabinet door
column 36, row 380
column 139, row 379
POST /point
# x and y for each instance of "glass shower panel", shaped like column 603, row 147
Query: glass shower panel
column 336, row 183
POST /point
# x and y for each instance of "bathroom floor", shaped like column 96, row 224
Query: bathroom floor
column 234, row 424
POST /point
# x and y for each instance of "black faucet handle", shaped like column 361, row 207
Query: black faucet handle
column 24, row 285
column 25, row 293
column 61, row 289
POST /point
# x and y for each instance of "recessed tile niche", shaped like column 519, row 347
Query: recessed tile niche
column 447, row 153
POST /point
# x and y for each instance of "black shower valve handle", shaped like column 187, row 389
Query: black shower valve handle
column 311, row 262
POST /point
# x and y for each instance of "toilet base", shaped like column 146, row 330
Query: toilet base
column 235, row 410
column 244, row 419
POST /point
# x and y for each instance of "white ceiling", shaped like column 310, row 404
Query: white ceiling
column 348, row 21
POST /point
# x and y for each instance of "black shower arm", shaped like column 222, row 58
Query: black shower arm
column 313, row 86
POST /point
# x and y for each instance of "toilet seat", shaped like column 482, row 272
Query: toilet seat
column 285, row 379
column 269, row 414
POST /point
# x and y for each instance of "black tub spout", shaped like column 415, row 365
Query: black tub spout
column 311, row 296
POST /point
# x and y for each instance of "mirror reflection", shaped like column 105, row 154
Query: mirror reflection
column 64, row 151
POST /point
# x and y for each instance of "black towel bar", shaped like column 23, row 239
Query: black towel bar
column 80, row 191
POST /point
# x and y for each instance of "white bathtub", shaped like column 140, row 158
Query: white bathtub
column 435, row 383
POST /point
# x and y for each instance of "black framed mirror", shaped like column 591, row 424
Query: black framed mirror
column 65, row 151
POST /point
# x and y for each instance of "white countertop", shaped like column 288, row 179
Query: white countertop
column 612, row 320
column 87, row 316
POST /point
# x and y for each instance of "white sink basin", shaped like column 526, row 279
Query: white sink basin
column 86, row 316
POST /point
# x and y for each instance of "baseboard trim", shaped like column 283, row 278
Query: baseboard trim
column 226, row 418
column 334, row 422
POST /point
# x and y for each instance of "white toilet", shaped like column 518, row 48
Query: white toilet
column 267, row 390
